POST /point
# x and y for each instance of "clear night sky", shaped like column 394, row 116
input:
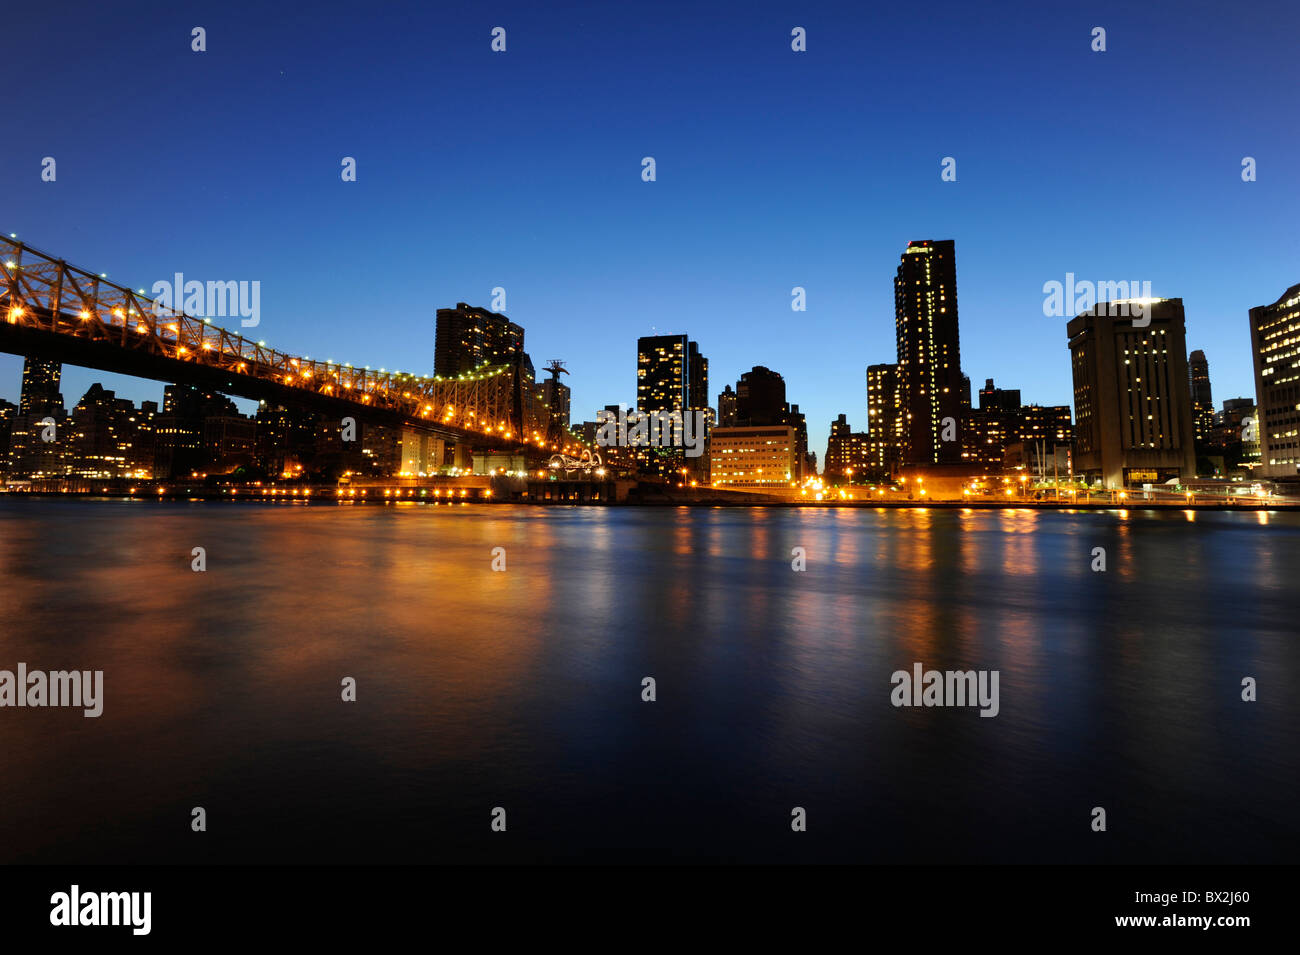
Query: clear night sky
column 775, row 169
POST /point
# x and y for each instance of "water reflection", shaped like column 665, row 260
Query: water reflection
column 524, row 686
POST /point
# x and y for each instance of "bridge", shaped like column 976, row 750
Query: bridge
column 53, row 310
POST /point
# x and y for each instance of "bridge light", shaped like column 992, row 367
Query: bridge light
column 84, row 314
column 15, row 313
column 11, row 265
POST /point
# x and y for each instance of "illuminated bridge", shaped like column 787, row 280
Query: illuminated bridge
column 52, row 310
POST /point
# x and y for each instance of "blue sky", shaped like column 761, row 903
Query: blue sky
column 775, row 169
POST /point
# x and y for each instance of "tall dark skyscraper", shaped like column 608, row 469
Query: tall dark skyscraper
column 760, row 397
column 40, row 394
column 727, row 408
column 468, row 337
column 929, row 352
column 1275, row 345
column 1202, row 399
column 672, row 376
column 884, row 417
column 1132, row 395
column 557, row 396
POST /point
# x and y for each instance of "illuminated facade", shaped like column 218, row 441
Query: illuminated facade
column 885, row 417
column 672, row 376
column 109, row 437
column 1202, row 397
column 986, row 436
column 849, row 455
column 467, row 337
column 1049, row 424
column 930, row 381
column 40, row 395
column 754, row 456
column 1001, row 421
column 1275, row 345
column 727, row 407
column 1132, row 395
column 557, row 398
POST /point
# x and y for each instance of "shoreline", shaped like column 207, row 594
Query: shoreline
column 323, row 497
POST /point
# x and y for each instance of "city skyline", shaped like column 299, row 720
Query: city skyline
column 967, row 400
column 819, row 167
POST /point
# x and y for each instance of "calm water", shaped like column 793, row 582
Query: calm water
column 522, row 689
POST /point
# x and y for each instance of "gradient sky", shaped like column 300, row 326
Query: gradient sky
column 775, row 169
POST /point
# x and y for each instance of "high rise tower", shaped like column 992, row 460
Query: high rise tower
column 468, row 337
column 1275, row 344
column 1132, row 395
column 1202, row 399
column 40, row 394
column 672, row 376
column 929, row 353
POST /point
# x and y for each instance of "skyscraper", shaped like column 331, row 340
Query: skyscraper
column 1275, row 346
column 468, row 337
column 1202, row 399
column 40, row 394
column 929, row 353
column 8, row 411
column 885, row 417
column 36, row 449
column 726, row 407
column 1132, row 395
column 557, row 396
column 672, row 376
column 760, row 397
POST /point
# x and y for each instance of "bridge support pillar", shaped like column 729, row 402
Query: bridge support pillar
column 463, row 457
column 421, row 453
